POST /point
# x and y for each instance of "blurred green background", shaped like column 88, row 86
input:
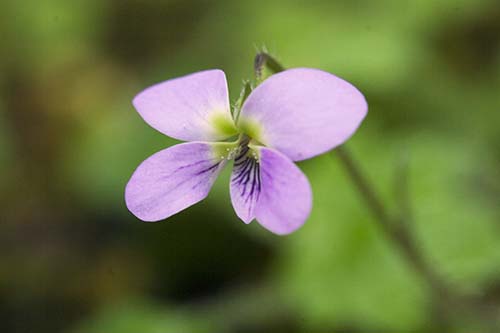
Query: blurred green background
column 73, row 259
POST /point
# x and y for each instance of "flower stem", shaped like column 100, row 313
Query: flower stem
column 397, row 231
column 245, row 92
column 447, row 301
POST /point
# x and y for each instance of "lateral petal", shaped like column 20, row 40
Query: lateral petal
column 172, row 180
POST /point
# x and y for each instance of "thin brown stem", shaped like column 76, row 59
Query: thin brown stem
column 396, row 231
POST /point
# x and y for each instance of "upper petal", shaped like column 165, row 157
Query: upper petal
column 285, row 198
column 172, row 179
column 193, row 107
column 303, row 112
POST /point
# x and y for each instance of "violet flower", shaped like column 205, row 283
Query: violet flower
column 292, row 116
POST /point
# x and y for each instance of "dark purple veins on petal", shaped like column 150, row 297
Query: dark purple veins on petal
column 246, row 175
column 212, row 168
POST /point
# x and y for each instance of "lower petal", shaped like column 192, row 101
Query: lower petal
column 245, row 184
column 286, row 198
column 172, row 180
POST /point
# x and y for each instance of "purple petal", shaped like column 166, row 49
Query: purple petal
column 285, row 199
column 191, row 108
column 245, row 185
column 172, row 180
column 303, row 112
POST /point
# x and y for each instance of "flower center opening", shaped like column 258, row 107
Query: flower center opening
column 242, row 148
column 246, row 149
